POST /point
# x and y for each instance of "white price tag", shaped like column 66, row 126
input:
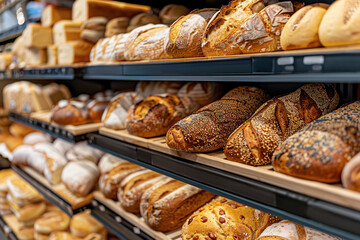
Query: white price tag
column 285, row 61
column 314, row 60
column 136, row 230
column 118, row 219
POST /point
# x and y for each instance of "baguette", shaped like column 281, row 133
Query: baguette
column 320, row 150
column 208, row 128
column 254, row 142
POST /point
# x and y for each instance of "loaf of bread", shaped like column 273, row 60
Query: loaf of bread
column 209, row 128
column 65, row 31
column 340, row 24
column 80, row 177
column 22, row 191
column 81, row 151
column 203, row 93
column 321, row 149
column 62, row 146
column 18, row 51
column 166, row 205
column 54, row 92
column 96, row 109
column 154, row 115
column 52, row 221
column 141, row 20
column 171, row 12
column 35, row 56
column 116, row 26
column 108, row 162
column 302, row 29
column 37, row 36
column 61, row 235
column 19, row 130
column 52, row 14
column 70, row 113
column 226, row 219
column 83, row 224
column 52, row 55
column 286, row 230
column 74, row 52
column 85, row 9
column 246, row 27
column 133, row 186
column 254, row 142
column 350, row 174
column 186, row 34
column 5, row 60
column 110, row 182
column 147, row 43
column 93, row 29
column 35, row 138
column 114, row 116
column 147, row 88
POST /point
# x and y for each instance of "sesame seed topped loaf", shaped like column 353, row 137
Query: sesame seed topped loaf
column 208, row 128
column 254, row 142
column 320, row 150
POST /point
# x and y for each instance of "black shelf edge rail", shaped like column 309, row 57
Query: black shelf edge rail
column 11, row 5
column 305, row 210
column 116, row 224
column 58, row 73
column 52, row 130
column 7, row 231
column 49, row 194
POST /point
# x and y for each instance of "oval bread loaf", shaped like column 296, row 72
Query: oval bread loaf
column 254, row 142
column 350, row 175
column 171, row 12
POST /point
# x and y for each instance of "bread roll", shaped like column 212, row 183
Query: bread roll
column 245, row 27
column 52, row 14
column 26, row 233
column 226, row 219
column 133, row 186
column 70, row 113
column 286, row 230
column 147, row 43
column 350, row 174
column 35, row 138
column 321, row 149
column 108, row 162
column 80, row 177
column 62, row 146
column 81, row 151
column 302, row 29
column 21, row 155
column 110, row 182
column 340, row 25
column 83, row 224
column 186, row 34
column 5, row 60
column 51, row 222
column 74, row 52
column 171, row 12
column 254, row 142
column 28, row 212
column 141, row 20
column 116, row 26
column 209, row 128
column 12, row 142
column 146, row 88
column 37, row 36
column 65, row 31
column 154, row 115
column 166, row 205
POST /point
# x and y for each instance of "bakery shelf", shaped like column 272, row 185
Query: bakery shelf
column 123, row 224
column 48, row 73
column 257, row 191
column 57, row 194
column 12, row 33
column 41, row 122
column 6, row 226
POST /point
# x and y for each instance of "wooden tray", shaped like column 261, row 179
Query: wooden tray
column 135, row 220
column 329, row 192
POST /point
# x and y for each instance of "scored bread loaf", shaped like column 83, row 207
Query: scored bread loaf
column 133, row 186
column 108, row 162
column 83, row 224
column 186, row 34
column 110, row 182
column 154, row 115
column 321, row 149
column 52, row 14
column 246, row 27
column 225, row 219
column 166, row 205
column 286, row 230
column 171, row 12
column 340, row 24
column 146, row 88
column 254, row 142
column 203, row 93
column 74, row 52
column 350, row 176
column 302, row 29
column 82, row 151
column 209, row 128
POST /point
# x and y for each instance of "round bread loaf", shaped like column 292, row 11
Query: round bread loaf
column 96, row 109
column 171, row 12
column 70, row 113
column 186, row 34
column 141, row 20
column 302, row 29
column 341, row 23
column 350, row 175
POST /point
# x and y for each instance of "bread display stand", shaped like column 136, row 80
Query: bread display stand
column 41, row 122
column 260, row 187
column 9, row 226
column 124, row 224
column 57, row 194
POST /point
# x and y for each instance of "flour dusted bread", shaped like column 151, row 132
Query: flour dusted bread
column 35, row 138
column 321, row 149
column 208, row 128
column 166, row 205
column 302, row 29
column 146, row 88
column 116, row 26
column 171, row 12
column 81, row 151
column 186, row 34
column 52, row 14
column 74, row 52
column 223, row 219
column 246, row 27
column 254, row 142
column 108, row 162
column 286, row 230
column 350, row 176
column 340, row 25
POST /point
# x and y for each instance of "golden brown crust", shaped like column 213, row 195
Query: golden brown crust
column 141, row 20
column 97, row 109
column 73, row 113
column 171, row 12
column 350, row 176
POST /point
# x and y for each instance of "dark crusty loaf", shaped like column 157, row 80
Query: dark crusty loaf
column 154, row 115
column 133, row 186
column 255, row 140
column 208, row 128
column 320, row 150
column 166, row 205
column 223, row 219
column 350, row 176
column 71, row 112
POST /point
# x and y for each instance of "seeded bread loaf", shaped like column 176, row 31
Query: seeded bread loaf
column 223, row 219
column 254, row 142
column 166, row 205
column 208, row 128
column 320, row 150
